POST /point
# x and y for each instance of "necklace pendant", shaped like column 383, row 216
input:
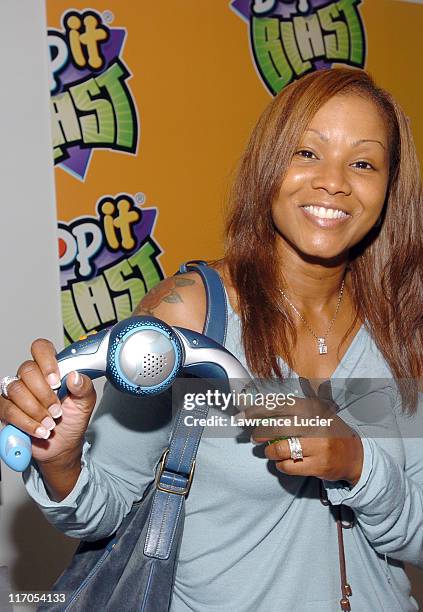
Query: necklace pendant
column 322, row 346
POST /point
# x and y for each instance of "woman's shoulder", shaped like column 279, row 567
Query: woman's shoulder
column 181, row 299
column 222, row 268
column 178, row 300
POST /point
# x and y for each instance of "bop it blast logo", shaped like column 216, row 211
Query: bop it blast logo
column 108, row 263
column 91, row 105
column 290, row 38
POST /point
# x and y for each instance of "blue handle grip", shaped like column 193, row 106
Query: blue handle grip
column 15, row 445
column 15, row 448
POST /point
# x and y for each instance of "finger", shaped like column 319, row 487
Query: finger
column 24, row 401
column 81, row 391
column 34, row 379
column 44, row 354
column 10, row 413
column 273, row 441
column 280, row 451
column 300, row 467
column 264, row 434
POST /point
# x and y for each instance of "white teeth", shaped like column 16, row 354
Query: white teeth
column 325, row 213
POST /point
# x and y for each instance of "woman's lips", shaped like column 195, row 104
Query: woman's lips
column 324, row 223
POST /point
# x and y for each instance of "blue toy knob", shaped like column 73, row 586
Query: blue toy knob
column 15, row 448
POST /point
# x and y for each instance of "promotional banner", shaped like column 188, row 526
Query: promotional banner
column 109, row 256
column 151, row 106
column 289, row 39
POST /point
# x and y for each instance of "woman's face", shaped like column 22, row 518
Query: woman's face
column 335, row 186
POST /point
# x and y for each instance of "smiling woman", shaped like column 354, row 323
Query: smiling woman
column 317, row 240
column 323, row 271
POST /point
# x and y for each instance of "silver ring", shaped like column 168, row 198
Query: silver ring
column 296, row 449
column 5, row 382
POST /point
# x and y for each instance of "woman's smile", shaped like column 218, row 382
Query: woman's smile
column 324, row 216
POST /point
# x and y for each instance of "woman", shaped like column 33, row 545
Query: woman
column 323, row 274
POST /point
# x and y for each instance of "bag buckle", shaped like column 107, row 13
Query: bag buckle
column 161, row 487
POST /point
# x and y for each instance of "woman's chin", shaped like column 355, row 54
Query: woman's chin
column 327, row 256
column 315, row 251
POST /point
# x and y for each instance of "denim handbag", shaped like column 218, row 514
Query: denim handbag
column 134, row 569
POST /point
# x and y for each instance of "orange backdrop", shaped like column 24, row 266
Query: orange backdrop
column 197, row 93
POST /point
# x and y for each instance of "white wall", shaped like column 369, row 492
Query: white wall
column 29, row 302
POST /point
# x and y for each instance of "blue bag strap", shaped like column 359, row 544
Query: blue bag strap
column 216, row 322
column 177, row 465
column 173, row 482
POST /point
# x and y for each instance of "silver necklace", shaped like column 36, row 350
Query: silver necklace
column 322, row 347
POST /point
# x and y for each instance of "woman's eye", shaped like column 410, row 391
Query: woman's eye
column 363, row 165
column 305, row 153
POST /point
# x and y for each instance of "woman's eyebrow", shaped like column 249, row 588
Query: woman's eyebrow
column 357, row 142
column 322, row 136
column 354, row 144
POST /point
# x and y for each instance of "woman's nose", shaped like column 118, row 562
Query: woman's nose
column 331, row 177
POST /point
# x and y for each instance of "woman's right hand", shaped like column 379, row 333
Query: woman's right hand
column 57, row 428
column 32, row 404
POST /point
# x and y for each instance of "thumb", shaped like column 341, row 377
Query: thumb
column 81, row 391
column 306, row 387
column 325, row 391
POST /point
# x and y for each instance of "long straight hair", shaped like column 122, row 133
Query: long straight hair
column 386, row 266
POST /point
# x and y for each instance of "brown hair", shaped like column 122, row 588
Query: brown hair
column 386, row 266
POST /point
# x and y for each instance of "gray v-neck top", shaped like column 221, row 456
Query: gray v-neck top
column 255, row 539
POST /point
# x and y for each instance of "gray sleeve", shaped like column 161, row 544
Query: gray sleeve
column 123, row 445
column 388, row 498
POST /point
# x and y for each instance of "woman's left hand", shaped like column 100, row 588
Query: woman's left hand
column 331, row 449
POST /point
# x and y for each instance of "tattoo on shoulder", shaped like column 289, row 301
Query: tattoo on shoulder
column 166, row 291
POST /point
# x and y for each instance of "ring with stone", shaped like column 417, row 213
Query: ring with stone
column 296, row 449
column 4, row 383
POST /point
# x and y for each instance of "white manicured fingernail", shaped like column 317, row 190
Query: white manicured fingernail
column 42, row 432
column 55, row 410
column 48, row 423
column 77, row 379
column 53, row 380
column 254, row 442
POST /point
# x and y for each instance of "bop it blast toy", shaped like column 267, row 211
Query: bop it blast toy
column 139, row 356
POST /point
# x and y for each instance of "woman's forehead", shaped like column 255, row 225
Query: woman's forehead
column 349, row 113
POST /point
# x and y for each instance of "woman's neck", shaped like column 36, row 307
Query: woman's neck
column 312, row 286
